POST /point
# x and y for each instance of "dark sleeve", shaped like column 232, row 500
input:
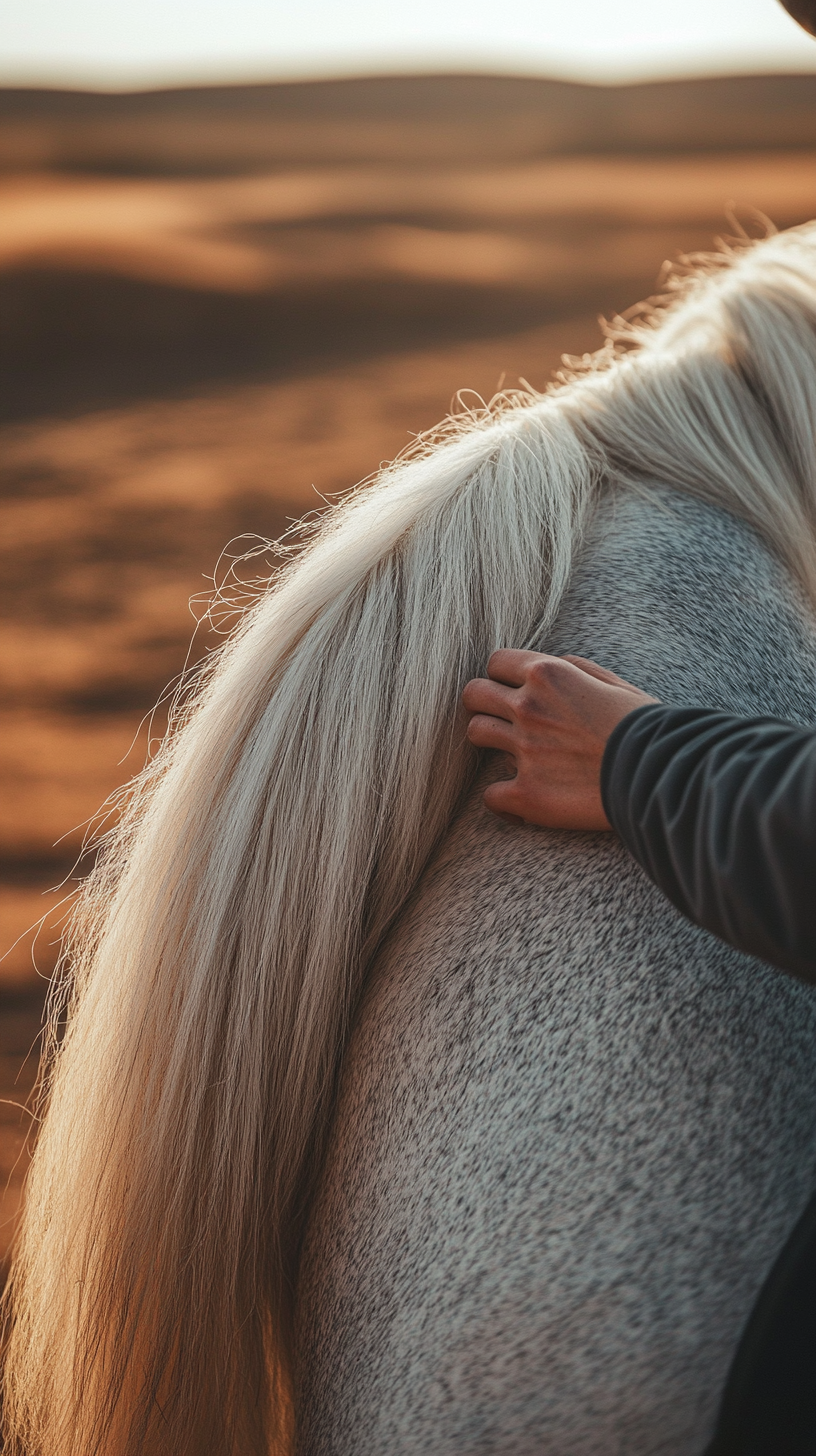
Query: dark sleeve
column 721, row 814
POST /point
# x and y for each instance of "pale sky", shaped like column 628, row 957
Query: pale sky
column 155, row 42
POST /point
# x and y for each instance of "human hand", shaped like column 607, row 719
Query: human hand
column 552, row 716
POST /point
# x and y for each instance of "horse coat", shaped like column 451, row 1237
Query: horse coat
column 573, row 1131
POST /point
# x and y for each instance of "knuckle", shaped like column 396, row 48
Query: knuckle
column 548, row 671
column 527, row 707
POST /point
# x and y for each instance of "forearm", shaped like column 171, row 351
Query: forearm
column 721, row 813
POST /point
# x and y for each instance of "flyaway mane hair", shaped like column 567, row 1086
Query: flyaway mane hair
column 220, row 944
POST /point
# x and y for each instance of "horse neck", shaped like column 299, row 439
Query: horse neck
column 685, row 600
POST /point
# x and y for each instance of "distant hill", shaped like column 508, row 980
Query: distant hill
column 462, row 119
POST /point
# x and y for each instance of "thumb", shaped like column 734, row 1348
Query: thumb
column 499, row 798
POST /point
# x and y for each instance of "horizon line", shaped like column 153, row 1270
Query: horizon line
column 115, row 81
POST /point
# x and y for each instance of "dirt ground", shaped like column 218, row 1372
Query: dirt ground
column 188, row 362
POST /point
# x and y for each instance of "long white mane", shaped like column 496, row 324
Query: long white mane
column 220, row 944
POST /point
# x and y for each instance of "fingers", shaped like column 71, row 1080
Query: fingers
column 511, row 666
column 500, row 799
column 487, row 732
column 516, row 668
column 593, row 670
column 483, row 696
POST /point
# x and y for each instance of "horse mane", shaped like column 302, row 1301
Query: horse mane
column 219, row 946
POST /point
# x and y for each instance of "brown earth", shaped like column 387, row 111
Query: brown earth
column 195, row 354
column 464, row 120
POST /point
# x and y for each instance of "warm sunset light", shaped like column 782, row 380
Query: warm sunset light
column 430, row 1061
column 91, row 42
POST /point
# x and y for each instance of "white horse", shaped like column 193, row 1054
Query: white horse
column 574, row 1131
column 571, row 1132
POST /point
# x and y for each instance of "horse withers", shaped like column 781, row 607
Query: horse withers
column 379, row 1127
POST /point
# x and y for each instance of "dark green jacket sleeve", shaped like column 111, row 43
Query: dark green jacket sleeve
column 721, row 814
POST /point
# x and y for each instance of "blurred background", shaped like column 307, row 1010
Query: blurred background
column 247, row 252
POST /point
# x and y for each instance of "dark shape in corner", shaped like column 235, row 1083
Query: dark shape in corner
column 803, row 12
